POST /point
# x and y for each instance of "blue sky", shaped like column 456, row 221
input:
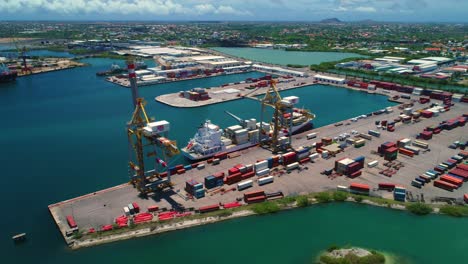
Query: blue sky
column 251, row 10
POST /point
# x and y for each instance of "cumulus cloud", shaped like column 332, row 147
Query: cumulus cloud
column 135, row 7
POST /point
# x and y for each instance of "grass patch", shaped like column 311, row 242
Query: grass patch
column 454, row 210
column 302, row 201
column 340, row 196
column 323, row 197
column 286, row 200
column 374, row 258
column 419, row 208
column 266, row 208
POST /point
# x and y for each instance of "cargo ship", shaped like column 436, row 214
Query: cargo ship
column 210, row 139
column 115, row 69
column 6, row 75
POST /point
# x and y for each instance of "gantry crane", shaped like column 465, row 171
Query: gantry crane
column 148, row 144
column 22, row 54
column 280, row 121
column 273, row 99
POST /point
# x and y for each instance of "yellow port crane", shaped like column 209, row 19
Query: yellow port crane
column 148, row 144
column 281, row 107
column 22, row 54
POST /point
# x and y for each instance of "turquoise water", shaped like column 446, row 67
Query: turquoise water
column 63, row 135
column 283, row 57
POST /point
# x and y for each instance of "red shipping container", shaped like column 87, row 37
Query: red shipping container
column 462, row 167
column 106, row 227
column 71, row 222
column 136, row 207
column 256, row 199
column 163, row 174
column 406, row 152
column 181, row 171
column 452, row 180
column 209, row 208
column 304, row 160
column 219, row 175
column 233, row 170
column 459, row 172
column 253, row 194
column 355, row 174
column 426, row 114
column 359, row 186
column 444, row 185
column 232, row 205
column 465, row 197
column 178, row 167
column 391, row 150
column 153, row 208
column 248, row 175
column 239, row 166
column 386, row 186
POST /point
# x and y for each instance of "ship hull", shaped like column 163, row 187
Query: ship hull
column 197, row 157
column 8, row 77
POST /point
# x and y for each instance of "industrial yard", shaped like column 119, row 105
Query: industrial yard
column 100, row 209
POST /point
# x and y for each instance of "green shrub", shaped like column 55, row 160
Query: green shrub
column 340, row 196
column 266, row 208
column 302, row 201
column 457, row 211
column 358, row 198
column 419, row 208
column 332, row 247
column 323, row 197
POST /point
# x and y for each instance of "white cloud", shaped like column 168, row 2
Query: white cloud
column 135, row 7
column 365, row 9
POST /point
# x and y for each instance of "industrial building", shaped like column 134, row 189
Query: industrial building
column 329, row 79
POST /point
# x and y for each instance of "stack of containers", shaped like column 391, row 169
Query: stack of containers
column 426, row 135
column 391, row 154
column 383, row 147
column 289, row 158
column 342, row 165
column 303, row 154
column 359, row 188
column 142, row 217
column 326, row 141
column 122, row 221
column 403, row 142
column 195, row 189
column 445, row 185
column 248, row 172
column 241, row 136
column 399, row 194
column 254, row 197
column 211, row 182
column 406, row 152
column 261, row 168
column 451, row 179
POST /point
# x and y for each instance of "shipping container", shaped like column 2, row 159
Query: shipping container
column 373, row 163
column 71, row 221
column 244, row 185
column 416, row 183
column 444, row 185
column 452, row 180
column 386, row 186
column 209, row 208
column 265, row 180
column 311, row 135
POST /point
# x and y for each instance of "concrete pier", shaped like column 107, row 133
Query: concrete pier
column 102, row 207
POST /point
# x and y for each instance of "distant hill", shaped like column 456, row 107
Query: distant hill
column 331, row 21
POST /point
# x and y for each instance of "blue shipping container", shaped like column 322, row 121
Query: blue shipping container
column 422, row 181
column 360, row 159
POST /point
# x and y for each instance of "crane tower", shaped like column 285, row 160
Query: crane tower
column 149, row 145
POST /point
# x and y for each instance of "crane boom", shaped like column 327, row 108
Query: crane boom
column 240, row 120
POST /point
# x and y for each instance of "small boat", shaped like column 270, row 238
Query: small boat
column 19, row 237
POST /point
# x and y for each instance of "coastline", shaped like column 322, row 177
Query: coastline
column 153, row 228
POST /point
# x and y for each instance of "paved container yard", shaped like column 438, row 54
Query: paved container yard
column 101, row 208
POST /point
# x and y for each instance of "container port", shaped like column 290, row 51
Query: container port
column 376, row 154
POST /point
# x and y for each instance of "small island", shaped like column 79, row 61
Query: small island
column 350, row 255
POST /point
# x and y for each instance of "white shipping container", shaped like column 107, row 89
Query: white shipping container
column 314, row 156
column 244, row 185
column 292, row 166
column 311, row 135
column 261, row 165
column 265, row 180
column 154, row 128
column 201, row 166
column 366, row 136
column 126, row 211
column 342, row 188
column 325, row 154
column 373, row 163
column 263, row 172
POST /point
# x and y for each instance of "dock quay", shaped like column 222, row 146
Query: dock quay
column 101, row 208
column 241, row 90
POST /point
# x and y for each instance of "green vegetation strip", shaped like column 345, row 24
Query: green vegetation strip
column 288, row 202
